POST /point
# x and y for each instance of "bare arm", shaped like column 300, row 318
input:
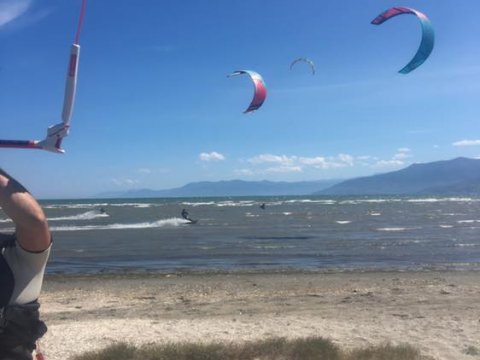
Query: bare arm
column 30, row 221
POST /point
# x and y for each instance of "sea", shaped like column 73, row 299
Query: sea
column 290, row 233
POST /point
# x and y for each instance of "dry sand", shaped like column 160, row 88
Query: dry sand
column 438, row 312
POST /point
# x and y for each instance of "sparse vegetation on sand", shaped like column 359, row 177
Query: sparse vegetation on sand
column 311, row 348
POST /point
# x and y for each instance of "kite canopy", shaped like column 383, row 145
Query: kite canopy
column 260, row 89
column 305, row 60
column 426, row 45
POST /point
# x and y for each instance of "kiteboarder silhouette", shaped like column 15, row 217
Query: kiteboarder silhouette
column 186, row 216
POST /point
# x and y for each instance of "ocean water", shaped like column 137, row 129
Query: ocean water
column 304, row 233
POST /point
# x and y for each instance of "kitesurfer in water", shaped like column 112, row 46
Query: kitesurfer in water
column 262, row 206
column 185, row 215
column 23, row 257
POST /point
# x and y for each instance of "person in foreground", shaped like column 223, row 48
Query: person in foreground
column 23, row 257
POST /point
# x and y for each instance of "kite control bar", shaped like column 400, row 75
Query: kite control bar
column 52, row 142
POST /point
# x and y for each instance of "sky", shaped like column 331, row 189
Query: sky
column 155, row 109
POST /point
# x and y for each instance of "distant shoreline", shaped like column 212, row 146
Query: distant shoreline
column 145, row 273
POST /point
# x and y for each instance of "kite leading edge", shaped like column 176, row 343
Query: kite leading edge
column 428, row 36
column 260, row 90
column 305, row 60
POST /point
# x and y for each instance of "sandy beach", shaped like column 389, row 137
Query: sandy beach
column 438, row 312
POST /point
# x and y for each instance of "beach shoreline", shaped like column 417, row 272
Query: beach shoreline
column 436, row 311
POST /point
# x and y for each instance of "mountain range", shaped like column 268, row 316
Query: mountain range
column 229, row 188
column 460, row 176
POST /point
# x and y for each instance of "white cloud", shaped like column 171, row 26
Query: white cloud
column 345, row 159
column 400, row 156
column 397, row 160
column 12, row 9
column 269, row 158
column 318, row 161
column 144, row 171
column 213, row 156
column 244, row 172
column 125, row 182
column 295, row 163
column 466, row 143
column 284, row 169
column 271, row 163
column 388, row 163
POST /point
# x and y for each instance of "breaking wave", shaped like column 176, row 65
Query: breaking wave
column 172, row 222
column 89, row 215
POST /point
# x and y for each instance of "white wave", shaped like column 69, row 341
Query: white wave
column 465, row 245
column 251, row 215
column 136, row 205
column 375, row 214
column 89, row 215
column 427, row 200
column 234, row 204
column 275, row 203
column 172, row 222
column 392, row 229
column 207, row 203
column 75, row 206
column 286, row 213
column 5, row 220
column 349, row 202
column 306, row 201
column 446, row 226
column 468, row 221
column 8, row 230
column 419, row 200
column 451, row 199
column 98, row 205
column 341, row 222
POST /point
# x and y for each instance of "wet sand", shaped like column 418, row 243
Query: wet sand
column 438, row 312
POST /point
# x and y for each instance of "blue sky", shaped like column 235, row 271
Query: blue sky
column 155, row 109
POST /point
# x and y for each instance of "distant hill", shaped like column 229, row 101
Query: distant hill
column 229, row 188
column 460, row 176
